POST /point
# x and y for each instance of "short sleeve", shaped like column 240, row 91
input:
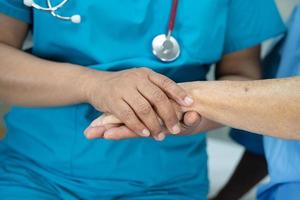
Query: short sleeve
column 250, row 22
column 16, row 9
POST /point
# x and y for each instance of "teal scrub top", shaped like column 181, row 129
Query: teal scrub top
column 116, row 35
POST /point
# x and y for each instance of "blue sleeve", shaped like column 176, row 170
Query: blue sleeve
column 16, row 9
column 250, row 22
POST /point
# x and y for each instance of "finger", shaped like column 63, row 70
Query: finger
column 160, row 137
column 187, row 130
column 106, row 119
column 191, row 119
column 120, row 133
column 129, row 118
column 97, row 128
column 162, row 105
column 145, row 112
column 98, row 121
column 174, row 91
column 111, row 119
column 94, row 132
column 178, row 109
column 109, row 126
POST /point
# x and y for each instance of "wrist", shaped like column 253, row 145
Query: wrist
column 194, row 89
column 207, row 94
column 88, row 81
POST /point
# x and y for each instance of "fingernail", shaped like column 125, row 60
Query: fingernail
column 176, row 129
column 161, row 137
column 146, row 133
column 188, row 101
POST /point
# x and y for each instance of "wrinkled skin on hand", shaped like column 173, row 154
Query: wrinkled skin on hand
column 110, row 127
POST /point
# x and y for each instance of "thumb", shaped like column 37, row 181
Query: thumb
column 191, row 118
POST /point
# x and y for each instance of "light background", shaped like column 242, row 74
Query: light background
column 223, row 153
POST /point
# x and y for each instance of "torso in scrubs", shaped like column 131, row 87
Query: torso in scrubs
column 283, row 156
column 45, row 154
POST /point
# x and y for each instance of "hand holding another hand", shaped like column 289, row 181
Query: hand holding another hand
column 139, row 98
column 110, row 127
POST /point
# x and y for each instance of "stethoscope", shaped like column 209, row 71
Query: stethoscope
column 52, row 9
column 164, row 46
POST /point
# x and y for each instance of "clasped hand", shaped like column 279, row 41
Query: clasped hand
column 139, row 103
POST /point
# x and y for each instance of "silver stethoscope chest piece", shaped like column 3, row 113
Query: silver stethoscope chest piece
column 165, row 47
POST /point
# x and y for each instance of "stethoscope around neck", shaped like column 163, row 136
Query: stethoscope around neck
column 164, row 46
column 52, row 9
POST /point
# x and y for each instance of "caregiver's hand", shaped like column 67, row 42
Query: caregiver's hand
column 138, row 97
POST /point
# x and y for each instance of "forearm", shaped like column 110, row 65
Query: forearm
column 270, row 106
column 210, row 124
column 26, row 80
column 239, row 66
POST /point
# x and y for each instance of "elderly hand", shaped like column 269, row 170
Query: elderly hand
column 110, row 127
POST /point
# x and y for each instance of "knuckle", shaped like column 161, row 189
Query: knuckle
column 133, row 75
column 145, row 69
column 144, row 109
column 126, row 115
column 166, row 83
column 159, row 96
